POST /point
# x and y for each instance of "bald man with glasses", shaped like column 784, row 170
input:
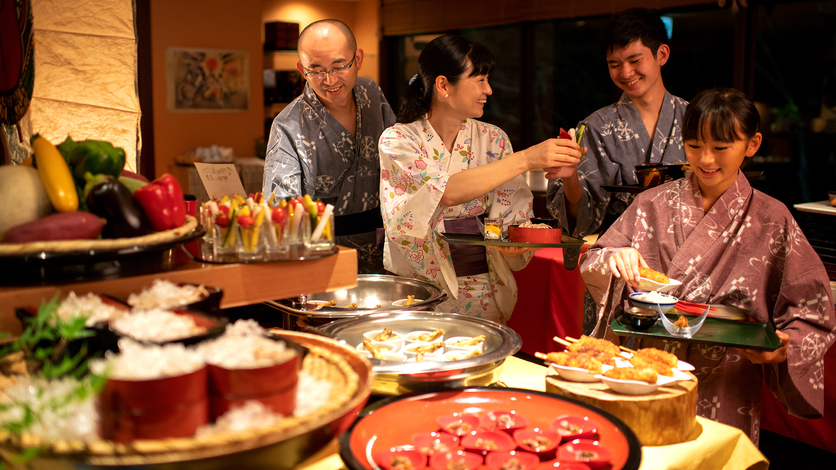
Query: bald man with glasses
column 324, row 143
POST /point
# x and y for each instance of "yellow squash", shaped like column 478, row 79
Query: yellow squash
column 55, row 175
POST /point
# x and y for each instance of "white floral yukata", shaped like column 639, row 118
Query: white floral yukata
column 415, row 166
column 747, row 252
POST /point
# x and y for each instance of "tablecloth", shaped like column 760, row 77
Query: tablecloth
column 549, row 302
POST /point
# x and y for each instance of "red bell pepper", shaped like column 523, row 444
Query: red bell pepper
column 162, row 200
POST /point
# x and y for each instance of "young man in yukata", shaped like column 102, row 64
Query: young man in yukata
column 642, row 127
column 324, row 143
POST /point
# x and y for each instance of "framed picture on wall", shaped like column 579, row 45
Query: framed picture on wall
column 207, row 80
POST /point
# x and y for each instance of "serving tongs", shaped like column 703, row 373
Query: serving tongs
column 683, row 331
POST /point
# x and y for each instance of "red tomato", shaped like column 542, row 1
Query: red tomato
column 223, row 210
column 320, row 207
column 279, row 214
column 296, row 200
column 222, row 220
column 245, row 221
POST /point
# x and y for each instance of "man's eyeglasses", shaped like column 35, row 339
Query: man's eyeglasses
column 320, row 75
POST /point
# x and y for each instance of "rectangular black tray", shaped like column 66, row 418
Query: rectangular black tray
column 571, row 246
column 731, row 333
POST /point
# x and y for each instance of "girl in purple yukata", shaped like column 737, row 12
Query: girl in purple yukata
column 732, row 245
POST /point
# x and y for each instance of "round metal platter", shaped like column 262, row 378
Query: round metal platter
column 397, row 378
column 372, row 290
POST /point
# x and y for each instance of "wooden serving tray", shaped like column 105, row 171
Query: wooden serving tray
column 571, row 246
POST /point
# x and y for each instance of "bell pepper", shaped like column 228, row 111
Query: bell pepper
column 111, row 200
column 97, row 157
column 55, row 175
column 163, row 202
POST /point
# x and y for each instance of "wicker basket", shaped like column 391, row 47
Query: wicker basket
column 282, row 445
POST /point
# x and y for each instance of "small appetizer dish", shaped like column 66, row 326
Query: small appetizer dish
column 514, row 460
column 488, row 441
column 401, row 459
column 577, row 374
column 458, row 424
column 500, row 420
column 634, row 381
column 465, row 343
column 385, row 336
column 458, row 460
column 585, row 451
column 376, row 351
column 538, row 441
column 430, row 443
column 572, row 427
column 639, row 319
column 660, row 356
column 653, row 301
column 425, row 351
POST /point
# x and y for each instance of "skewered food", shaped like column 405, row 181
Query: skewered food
column 462, row 343
column 575, row 359
column 653, row 275
column 632, row 373
column 601, row 349
column 659, row 355
column 371, row 349
column 642, row 362
column 430, row 337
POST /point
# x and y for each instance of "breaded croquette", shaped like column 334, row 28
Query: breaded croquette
column 654, row 276
column 659, row 355
column 641, row 362
column 631, row 373
column 577, row 360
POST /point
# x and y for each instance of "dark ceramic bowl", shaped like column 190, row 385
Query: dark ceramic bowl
column 643, row 170
column 639, row 319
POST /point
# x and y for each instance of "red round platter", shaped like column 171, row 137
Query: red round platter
column 391, row 422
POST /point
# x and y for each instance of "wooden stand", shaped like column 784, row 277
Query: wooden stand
column 666, row 416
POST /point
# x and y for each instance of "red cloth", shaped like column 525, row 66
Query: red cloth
column 817, row 432
column 549, row 302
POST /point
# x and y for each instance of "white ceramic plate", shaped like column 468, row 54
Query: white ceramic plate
column 682, row 365
column 647, row 284
column 634, row 387
column 666, row 304
column 576, row 374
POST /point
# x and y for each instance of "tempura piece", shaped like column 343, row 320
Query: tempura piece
column 410, row 299
column 577, row 360
column 642, row 362
column 465, row 355
column 654, row 276
column 631, row 373
column 332, row 303
column 430, row 337
column 428, row 348
column 462, row 343
column 659, row 355
column 351, row 305
column 681, row 322
column 384, row 335
column 371, row 349
column 601, row 349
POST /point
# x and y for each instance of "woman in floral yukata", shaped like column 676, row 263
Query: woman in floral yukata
column 732, row 245
column 441, row 170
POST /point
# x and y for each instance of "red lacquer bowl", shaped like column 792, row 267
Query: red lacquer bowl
column 538, row 441
column 389, row 459
column 518, row 234
column 574, row 427
column 488, row 441
column 524, row 460
column 458, row 424
column 430, row 443
column 274, row 386
column 586, row 451
column 501, row 420
column 469, row 460
column 392, row 421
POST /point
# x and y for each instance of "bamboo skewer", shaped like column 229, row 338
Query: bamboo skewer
column 572, row 340
column 542, row 356
column 561, row 341
column 627, row 349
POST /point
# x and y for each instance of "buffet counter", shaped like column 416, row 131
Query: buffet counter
column 712, row 445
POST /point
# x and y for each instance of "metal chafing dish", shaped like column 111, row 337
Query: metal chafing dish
column 397, row 378
column 372, row 290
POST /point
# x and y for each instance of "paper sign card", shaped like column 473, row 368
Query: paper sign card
column 220, row 179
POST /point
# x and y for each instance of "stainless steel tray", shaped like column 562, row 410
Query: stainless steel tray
column 397, row 378
column 371, row 290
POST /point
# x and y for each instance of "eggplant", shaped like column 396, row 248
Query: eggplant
column 113, row 201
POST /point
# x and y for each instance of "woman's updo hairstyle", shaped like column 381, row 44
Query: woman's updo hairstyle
column 445, row 55
column 722, row 114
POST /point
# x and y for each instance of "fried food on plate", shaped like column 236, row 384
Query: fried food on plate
column 464, row 355
column 631, row 373
column 642, row 362
column 430, row 337
column 654, row 276
column 410, row 299
column 601, row 349
column 469, row 342
column 384, row 335
column 371, row 349
column 659, row 355
column 428, row 348
column 681, row 322
column 577, row 360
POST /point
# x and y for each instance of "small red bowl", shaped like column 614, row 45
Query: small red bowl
column 519, row 234
column 470, row 460
column 488, row 441
column 388, row 459
column 458, row 424
column 524, row 460
column 586, row 451
column 430, row 443
column 572, row 427
column 508, row 421
column 546, row 441
column 565, row 466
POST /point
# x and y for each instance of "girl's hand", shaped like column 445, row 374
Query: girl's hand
column 769, row 357
column 625, row 263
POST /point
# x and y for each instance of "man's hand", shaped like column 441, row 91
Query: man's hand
column 769, row 357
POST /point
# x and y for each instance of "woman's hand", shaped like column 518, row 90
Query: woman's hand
column 769, row 357
column 553, row 155
column 513, row 251
column 625, row 263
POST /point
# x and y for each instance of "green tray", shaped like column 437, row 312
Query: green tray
column 571, row 246
column 731, row 333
